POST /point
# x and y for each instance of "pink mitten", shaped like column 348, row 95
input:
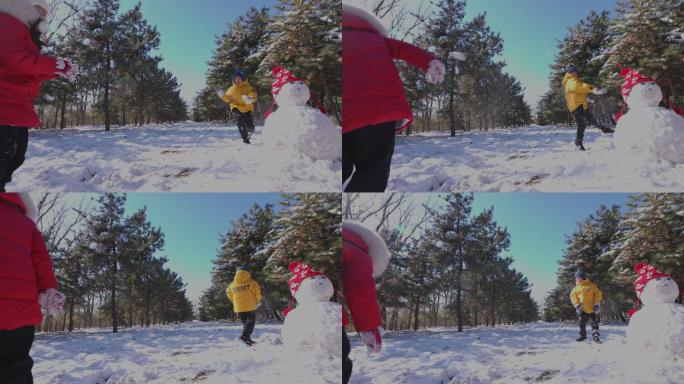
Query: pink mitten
column 435, row 72
column 66, row 69
column 372, row 339
column 51, row 301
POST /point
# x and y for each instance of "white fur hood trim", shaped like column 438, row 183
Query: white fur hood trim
column 367, row 17
column 23, row 10
column 31, row 210
column 377, row 248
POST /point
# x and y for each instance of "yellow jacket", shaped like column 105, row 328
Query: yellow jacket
column 576, row 91
column 244, row 292
column 587, row 294
column 233, row 96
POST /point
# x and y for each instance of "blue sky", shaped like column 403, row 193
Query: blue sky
column 530, row 29
column 538, row 224
column 188, row 30
column 192, row 224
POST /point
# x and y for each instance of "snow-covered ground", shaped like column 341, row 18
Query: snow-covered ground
column 533, row 353
column 186, row 353
column 186, row 157
column 533, row 158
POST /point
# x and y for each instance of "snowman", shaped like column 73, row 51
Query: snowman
column 648, row 132
column 313, row 328
column 297, row 129
column 658, row 327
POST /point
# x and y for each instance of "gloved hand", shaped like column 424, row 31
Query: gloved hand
column 66, row 69
column 220, row 93
column 578, row 309
column 247, row 100
column 372, row 339
column 51, row 301
column 599, row 91
column 435, row 72
column 597, row 309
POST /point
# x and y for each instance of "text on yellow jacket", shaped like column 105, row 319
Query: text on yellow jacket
column 576, row 91
column 587, row 294
column 244, row 292
column 233, row 96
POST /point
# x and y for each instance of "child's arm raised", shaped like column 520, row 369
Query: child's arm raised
column 409, row 53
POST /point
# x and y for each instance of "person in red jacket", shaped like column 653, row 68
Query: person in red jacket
column 365, row 257
column 27, row 283
column 22, row 70
column 373, row 97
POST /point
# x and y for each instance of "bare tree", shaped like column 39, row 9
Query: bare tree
column 57, row 219
column 402, row 20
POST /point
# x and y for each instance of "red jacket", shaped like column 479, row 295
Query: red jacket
column 25, row 266
column 372, row 91
column 358, row 283
column 22, row 70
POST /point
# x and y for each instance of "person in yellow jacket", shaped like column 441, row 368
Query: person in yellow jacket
column 586, row 298
column 241, row 97
column 576, row 98
column 245, row 294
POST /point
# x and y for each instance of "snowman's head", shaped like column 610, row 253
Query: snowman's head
column 646, row 94
column 660, row 290
column 293, row 94
column 315, row 289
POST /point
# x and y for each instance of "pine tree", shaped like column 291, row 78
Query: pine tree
column 304, row 37
column 101, row 27
column 639, row 40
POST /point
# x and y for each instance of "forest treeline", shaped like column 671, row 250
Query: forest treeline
column 302, row 36
column 448, row 266
column 121, row 81
column 266, row 239
column 109, row 266
column 609, row 243
column 643, row 34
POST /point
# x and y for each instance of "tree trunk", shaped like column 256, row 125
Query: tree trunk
column 416, row 314
column 459, row 310
column 62, row 123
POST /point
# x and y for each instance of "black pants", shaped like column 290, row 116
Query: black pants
column 583, row 118
column 584, row 318
column 15, row 362
column 369, row 150
column 346, row 361
column 245, row 123
column 248, row 321
column 13, row 145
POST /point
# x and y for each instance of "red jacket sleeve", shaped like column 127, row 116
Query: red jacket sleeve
column 16, row 58
column 409, row 53
column 45, row 276
column 359, row 288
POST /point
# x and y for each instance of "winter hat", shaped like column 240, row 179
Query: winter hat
column 23, row 201
column 377, row 248
column 632, row 78
column 572, row 69
column 24, row 10
column 283, row 76
column 646, row 273
column 580, row 274
column 243, row 268
column 240, row 73
column 354, row 18
column 300, row 272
